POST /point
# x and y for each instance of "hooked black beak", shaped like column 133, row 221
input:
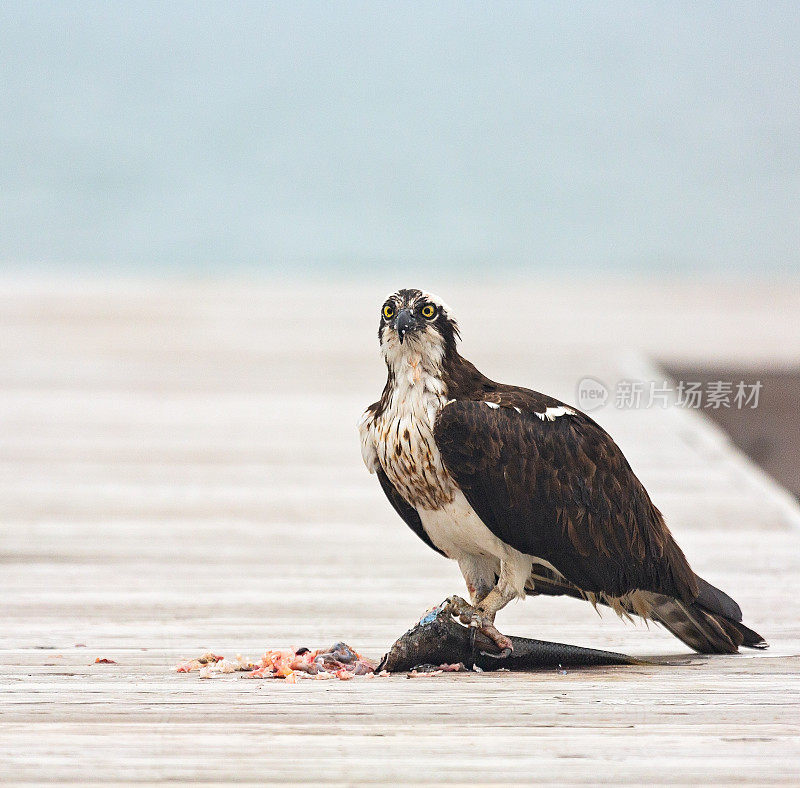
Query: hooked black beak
column 405, row 322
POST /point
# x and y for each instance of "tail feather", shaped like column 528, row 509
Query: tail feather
column 750, row 638
column 708, row 633
column 719, row 604
column 710, row 624
column 702, row 631
column 715, row 601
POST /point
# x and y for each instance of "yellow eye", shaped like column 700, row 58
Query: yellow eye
column 428, row 311
column 388, row 312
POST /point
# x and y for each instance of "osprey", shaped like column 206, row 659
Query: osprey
column 527, row 494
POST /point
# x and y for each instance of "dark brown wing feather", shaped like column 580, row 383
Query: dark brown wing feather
column 560, row 490
column 405, row 510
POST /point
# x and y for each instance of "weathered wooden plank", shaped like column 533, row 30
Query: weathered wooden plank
column 179, row 471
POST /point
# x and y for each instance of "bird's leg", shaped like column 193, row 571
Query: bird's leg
column 474, row 617
column 510, row 585
column 479, row 575
column 479, row 592
column 482, row 618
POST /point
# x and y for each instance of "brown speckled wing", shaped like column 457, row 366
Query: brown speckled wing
column 560, row 490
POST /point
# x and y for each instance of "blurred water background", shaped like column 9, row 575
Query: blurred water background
column 332, row 138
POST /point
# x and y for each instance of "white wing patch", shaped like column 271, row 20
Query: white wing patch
column 551, row 414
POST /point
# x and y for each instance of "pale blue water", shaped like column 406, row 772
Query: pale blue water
column 186, row 137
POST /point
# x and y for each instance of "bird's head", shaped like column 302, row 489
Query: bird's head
column 414, row 323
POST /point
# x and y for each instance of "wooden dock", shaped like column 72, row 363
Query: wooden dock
column 180, row 472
